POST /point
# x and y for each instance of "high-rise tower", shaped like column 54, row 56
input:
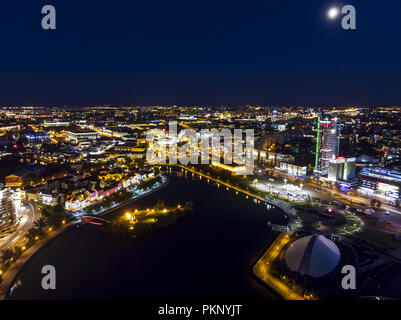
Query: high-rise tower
column 7, row 215
column 327, row 144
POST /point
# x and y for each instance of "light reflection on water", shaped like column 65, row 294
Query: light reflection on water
column 209, row 254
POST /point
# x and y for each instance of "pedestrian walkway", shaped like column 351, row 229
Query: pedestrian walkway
column 14, row 269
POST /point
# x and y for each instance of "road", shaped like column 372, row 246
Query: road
column 385, row 213
column 392, row 217
column 262, row 270
column 27, row 220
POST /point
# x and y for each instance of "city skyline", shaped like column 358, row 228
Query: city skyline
column 200, row 158
column 320, row 177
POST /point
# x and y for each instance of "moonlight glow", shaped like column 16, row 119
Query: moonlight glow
column 333, row 13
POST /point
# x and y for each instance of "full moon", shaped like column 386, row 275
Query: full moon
column 333, row 13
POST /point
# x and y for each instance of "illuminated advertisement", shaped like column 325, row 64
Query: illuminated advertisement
column 388, row 189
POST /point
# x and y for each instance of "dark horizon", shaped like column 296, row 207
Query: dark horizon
column 324, row 107
column 200, row 53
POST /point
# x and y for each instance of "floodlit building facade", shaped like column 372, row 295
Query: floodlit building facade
column 330, row 143
column 78, row 136
column 341, row 169
column 380, row 183
column 7, row 216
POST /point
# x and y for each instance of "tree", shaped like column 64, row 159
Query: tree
column 140, row 162
column 59, row 208
column 46, row 211
column 33, row 233
column 40, row 223
column 107, row 202
column 51, row 216
column 17, row 252
column 60, row 201
column 55, row 220
column 6, row 255
column 120, row 162
column 128, row 161
column 160, row 205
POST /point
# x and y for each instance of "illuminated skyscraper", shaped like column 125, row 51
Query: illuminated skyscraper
column 330, row 145
column 327, row 144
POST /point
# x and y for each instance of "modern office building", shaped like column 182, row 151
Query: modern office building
column 329, row 144
column 380, row 183
column 293, row 169
column 7, row 216
column 56, row 124
column 272, row 158
column 341, row 169
column 349, row 170
column 37, row 138
column 81, row 136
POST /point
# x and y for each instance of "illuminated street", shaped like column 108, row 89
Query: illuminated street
column 29, row 216
column 262, row 270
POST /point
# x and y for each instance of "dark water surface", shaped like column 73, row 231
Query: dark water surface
column 207, row 255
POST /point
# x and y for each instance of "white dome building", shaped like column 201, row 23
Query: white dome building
column 314, row 256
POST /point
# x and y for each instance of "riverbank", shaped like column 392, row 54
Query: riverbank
column 262, row 269
column 105, row 211
column 287, row 209
column 159, row 266
column 12, row 272
column 123, row 203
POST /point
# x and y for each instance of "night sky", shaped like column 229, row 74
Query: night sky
column 282, row 52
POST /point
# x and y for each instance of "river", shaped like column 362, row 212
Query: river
column 207, row 255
